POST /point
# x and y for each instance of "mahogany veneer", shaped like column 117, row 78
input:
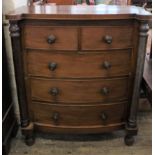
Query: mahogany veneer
column 93, row 64
column 78, row 69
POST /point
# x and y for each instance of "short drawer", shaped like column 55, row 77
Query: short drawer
column 100, row 38
column 78, row 65
column 53, row 38
column 63, row 115
column 79, row 91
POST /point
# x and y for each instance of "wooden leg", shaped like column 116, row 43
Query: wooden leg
column 131, row 131
column 28, row 132
column 129, row 140
column 29, row 140
column 131, row 126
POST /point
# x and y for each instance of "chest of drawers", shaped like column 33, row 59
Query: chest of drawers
column 78, row 69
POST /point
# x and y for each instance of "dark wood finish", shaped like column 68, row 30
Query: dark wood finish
column 17, row 55
column 129, row 140
column 38, row 37
column 19, row 73
column 66, row 115
column 79, row 91
column 61, row 2
column 98, row 37
column 71, row 2
column 53, row 2
column 92, row 64
column 9, row 120
column 82, row 130
column 71, row 12
column 132, row 123
column 79, row 61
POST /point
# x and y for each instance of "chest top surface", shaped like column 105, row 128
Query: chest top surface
column 73, row 12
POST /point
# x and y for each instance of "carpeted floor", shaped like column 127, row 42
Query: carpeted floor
column 102, row 144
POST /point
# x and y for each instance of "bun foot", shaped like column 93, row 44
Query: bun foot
column 129, row 140
column 29, row 141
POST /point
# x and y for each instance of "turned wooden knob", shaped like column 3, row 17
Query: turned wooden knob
column 55, row 117
column 54, row 91
column 105, row 91
column 104, row 116
column 52, row 66
column 108, row 39
column 106, row 65
column 51, row 39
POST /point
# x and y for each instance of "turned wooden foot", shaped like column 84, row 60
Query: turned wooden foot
column 129, row 140
column 29, row 140
column 28, row 132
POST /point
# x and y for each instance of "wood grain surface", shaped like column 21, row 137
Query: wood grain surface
column 87, row 115
column 93, row 38
column 78, row 64
column 36, row 37
column 73, row 12
column 79, row 91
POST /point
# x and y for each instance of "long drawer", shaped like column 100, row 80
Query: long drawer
column 110, row 37
column 91, row 115
column 78, row 65
column 79, row 91
column 47, row 37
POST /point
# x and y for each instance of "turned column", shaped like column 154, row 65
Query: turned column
column 26, row 125
column 19, row 74
column 132, row 119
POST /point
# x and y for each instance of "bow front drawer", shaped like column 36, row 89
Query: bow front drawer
column 79, row 91
column 79, row 65
column 51, row 38
column 78, row 116
column 100, row 38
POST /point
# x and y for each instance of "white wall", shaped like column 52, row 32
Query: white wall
column 19, row 3
column 9, row 5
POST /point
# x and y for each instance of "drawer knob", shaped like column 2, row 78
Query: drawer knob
column 55, row 117
column 106, row 65
column 52, row 66
column 104, row 116
column 54, row 91
column 108, row 39
column 105, row 91
column 51, row 39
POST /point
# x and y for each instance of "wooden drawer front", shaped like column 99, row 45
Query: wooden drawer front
column 62, row 115
column 79, row 91
column 99, row 38
column 75, row 65
column 55, row 38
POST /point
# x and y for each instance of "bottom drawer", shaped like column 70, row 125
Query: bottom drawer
column 79, row 115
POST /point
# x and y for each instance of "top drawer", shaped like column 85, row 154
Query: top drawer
column 100, row 38
column 48, row 37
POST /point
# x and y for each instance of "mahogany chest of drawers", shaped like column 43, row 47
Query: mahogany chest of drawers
column 78, row 68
